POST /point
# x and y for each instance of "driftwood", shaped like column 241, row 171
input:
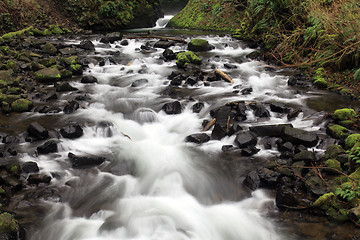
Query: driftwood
column 209, row 125
column 160, row 37
column 223, row 75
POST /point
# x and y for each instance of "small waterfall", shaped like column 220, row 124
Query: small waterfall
column 162, row 22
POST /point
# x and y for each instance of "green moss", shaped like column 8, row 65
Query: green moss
column 14, row 91
column 338, row 132
column 3, row 84
column 321, row 83
column 347, row 123
column 332, row 163
column 333, row 151
column 351, row 140
column 48, row 74
column 5, row 107
column 49, row 48
column 10, row 35
column 343, row 114
column 355, row 175
column 37, row 32
column 340, row 215
column 187, row 57
column 73, row 60
column 8, row 223
column 75, row 67
column 21, row 105
column 326, row 201
column 56, row 30
column 5, row 50
column 198, row 45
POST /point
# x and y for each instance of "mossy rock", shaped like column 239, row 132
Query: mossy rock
column 65, row 73
column 7, row 76
column 48, row 62
column 332, row 163
column 185, row 58
column 339, row 215
column 3, row 84
column 326, row 201
column 8, row 224
column 14, row 91
column 351, row 140
column 49, row 48
column 350, row 124
column 48, row 75
column 337, row 131
column 9, row 98
column 321, row 83
column 333, row 151
column 5, row 50
column 21, row 105
column 56, row 30
column 73, row 60
column 37, row 32
column 5, row 107
column 199, row 45
column 344, row 114
column 76, row 69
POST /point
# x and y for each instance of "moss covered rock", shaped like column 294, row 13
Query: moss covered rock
column 185, row 58
column 73, row 60
column 332, row 163
column 350, row 124
column 337, row 131
column 333, row 208
column 343, row 114
column 320, row 83
column 49, row 48
column 333, row 151
column 351, row 140
column 48, row 75
column 76, row 69
column 21, row 105
column 8, row 223
column 199, row 45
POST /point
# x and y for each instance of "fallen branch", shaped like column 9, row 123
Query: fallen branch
column 223, row 75
column 209, row 125
column 160, row 37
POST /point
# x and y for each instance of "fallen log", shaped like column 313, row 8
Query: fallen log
column 224, row 76
column 209, row 125
column 160, row 37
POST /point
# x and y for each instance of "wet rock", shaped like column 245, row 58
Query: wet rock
column 298, row 79
column 218, row 132
column 72, row 131
column 260, row 110
column 241, row 111
column 222, row 114
column 285, row 198
column 68, row 51
column 169, row 54
column 65, row 87
column 307, row 156
column 39, row 178
column 87, row 45
column 185, row 58
column 227, row 148
column 269, row 130
column 71, row 107
column 268, row 178
column 199, row 45
column 139, row 83
column 169, row 91
column 13, row 182
column 48, row 75
column 229, row 66
column 50, row 97
column 49, row 48
column 191, row 81
column 286, row 147
column 48, row 147
column 279, row 107
column 85, row 161
column 177, row 81
column 30, row 167
column 294, row 113
column 173, row 75
column 246, row 139
column 246, row 91
column 164, row 44
column 172, row 108
column 37, row 131
column 124, row 42
column 252, row 180
column 197, row 107
column 198, row 138
column 111, row 37
column 299, row 137
column 89, row 79
column 249, row 151
column 21, row 105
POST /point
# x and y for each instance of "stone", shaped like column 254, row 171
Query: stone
column 246, row 91
column 186, row 58
column 89, row 79
column 7, row 76
column 71, row 107
column 48, row 75
column 320, row 83
column 343, row 114
column 39, row 178
column 191, row 81
column 197, row 107
column 279, row 107
column 111, row 37
column 351, row 140
column 198, row 138
column 72, row 131
column 199, row 45
column 48, row 147
column 85, row 161
column 241, row 111
column 22, row 105
column 246, row 139
column 87, row 45
column 229, row 66
column 218, row 132
column 334, row 165
column 172, row 108
column 164, row 44
column 71, row 60
column 268, row 178
column 68, row 51
column 252, row 180
column 333, row 151
column 173, row 75
column 169, row 54
column 294, row 113
column 124, row 42
column 37, row 131
column 30, row 167
column 65, row 87
column 49, row 48
column 307, row 156
column 222, row 114
column 139, row 83
column 338, row 132
column 299, row 137
column 285, row 197
column 260, row 110
column 269, row 130
column 249, row 151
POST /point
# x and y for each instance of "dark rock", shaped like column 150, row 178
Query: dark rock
column 307, row 156
column 268, row 178
column 172, row 108
column 139, row 83
column 246, row 139
column 173, row 75
column 85, row 161
column 199, row 45
column 218, row 132
column 227, row 147
column 285, row 197
column 30, row 167
column 87, row 45
column 124, row 42
column 222, row 114
column 71, row 107
column 279, row 107
column 169, row 54
column 169, row 91
column 39, row 178
column 269, row 130
column 298, row 168
column 229, row 66
column 249, row 151
column 111, row 37
column 246, row 91
column 298, row 79
column 252, row 180
column 65, row 87
column 177, row 81
column 72, row 131
column 286, row 147
column 294, row 113
column 89, row 79
column 241, row 111
column 50, row 97
column 197, row 107
column 37, row 131
column 191, row 81
column 299, row 137
column 12, row 182
column 235, row 128
column 198, row 138
column 48, row 147
column 164, row 44
column 260, row 110
column 68, row 51
column 8, row 139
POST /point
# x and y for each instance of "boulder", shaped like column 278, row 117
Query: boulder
column 48, row 75
column 343, row 114
column 294, row 113
column 199, row 45
column 39, row 178
column 37, row 131
column 139, row 83
column 338, row 132
column 218, row 132
column 229, row 66
column 68, row 51
column 85, row 161
column 21, row 105
column 260, row 110
column 172, row 108
column 30, row 167
column 269, row 130
column 307, row 156
column 65, row 87
column 164, row 44
column 48, row 147
column 89, row 79
column 72, row 131
column 279, row 107
column 49, row 48
column 249, row 151
column 87, row 45
column 223, row 114
column 285, row 198
column 268, row 178
column 169, row 54
column 71, row 107
column 246, row 139
column 333, row 151
column 197, row 107
column 299, row 137
column 252, row 180
column 198, row 138
column 111, row 37
column 186, row 58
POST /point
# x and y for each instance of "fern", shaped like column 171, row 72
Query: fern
column 357, row 75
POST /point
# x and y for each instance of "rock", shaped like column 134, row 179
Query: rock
column 85, row 161
column 172, row 108
column 299, row 137
column 87, row 45
column 199, row 45
column 226, row 147
column 48, row 147
column 260, row 110
column 334, row 164
column 197, row 107
column 37, row 131
column 279, row 107
column 21, row 105
column 173, row 75
column 246, row 139
column 13, row 182
column 68, row 51
column 71, row 107
column 30, row 167
column 355, row 213
column 229, row 66
column 186, row 58
column 241, row 111
column 89, row 79
column 164, row 44
column 124, row 42
column 218, row 132
column 252, row 180
column 344, row 114
column 222, row 114
column 72, row 131
column 286, row 147
column 198, row 138
column 338, row 132
column 269, row 130
column 333, row 151
column 7, row 76
column 65, row 73
column 169, row 54
column 268, row 178
column 320, row 83
column 65, row 87
column 191, row 81
column 139, row 83
column 39, row 178
column 71, row 60
column 307, row 156
column 249, row 151
column 76, row 69
column 111, row 37
column 49, row 48
column 247, row 91
column 285, row 198
column 48, row 75
column 294, row 113
column 298, row 79
column 9, row 228
column 351, row 140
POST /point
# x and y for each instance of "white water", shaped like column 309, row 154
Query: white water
column 162, row 22
column 175, row 190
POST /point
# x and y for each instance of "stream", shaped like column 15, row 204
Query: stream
column 154, row 184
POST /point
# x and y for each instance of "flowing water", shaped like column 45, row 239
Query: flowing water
column 154, row 185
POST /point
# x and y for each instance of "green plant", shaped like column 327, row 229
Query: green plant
column 354, row 155
column 348, row 190
column 108, row 9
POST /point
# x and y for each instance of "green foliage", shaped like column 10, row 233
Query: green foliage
column 8, row 223
column 357, row 75
column 108, row 9
column 348, row 190
column 354, row 155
